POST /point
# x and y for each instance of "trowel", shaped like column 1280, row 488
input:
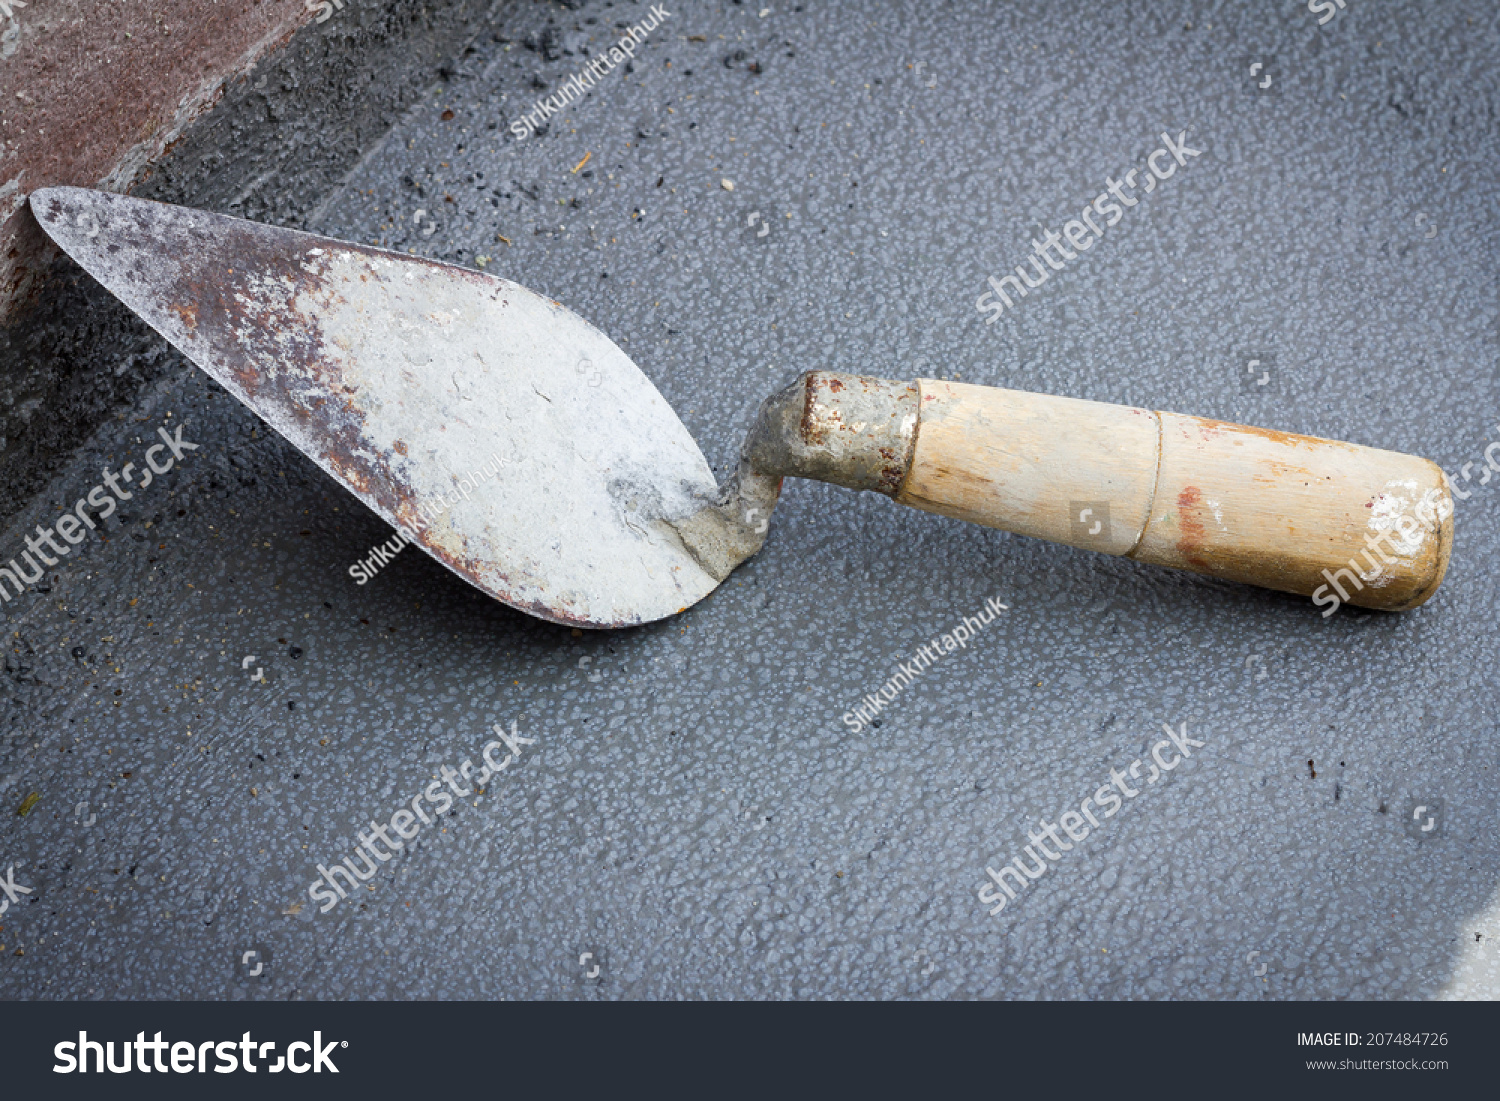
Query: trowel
column 400, row 375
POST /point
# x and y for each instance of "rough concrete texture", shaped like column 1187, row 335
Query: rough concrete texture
column 280, row 137
column 694, row 819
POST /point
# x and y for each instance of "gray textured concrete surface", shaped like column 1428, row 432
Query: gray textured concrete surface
column 693, row 812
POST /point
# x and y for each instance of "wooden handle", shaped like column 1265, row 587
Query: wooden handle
column 1334, row 521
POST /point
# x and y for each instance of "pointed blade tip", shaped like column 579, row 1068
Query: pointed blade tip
column 50, row 206
column 52, row 192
